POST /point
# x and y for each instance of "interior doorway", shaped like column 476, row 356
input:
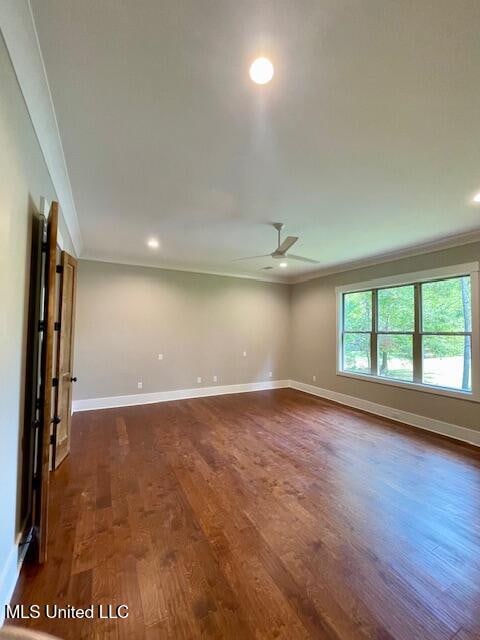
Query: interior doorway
column 49, row 376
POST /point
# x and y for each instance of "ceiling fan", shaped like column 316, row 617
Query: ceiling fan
column 281, row 252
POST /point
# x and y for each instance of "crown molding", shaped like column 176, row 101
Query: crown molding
column 408, row 252
column 168, row 267
column 430, row 247
column 21, row 38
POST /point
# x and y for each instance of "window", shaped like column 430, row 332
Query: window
column 417, row 333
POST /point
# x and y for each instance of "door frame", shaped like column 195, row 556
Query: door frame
column 42, row 470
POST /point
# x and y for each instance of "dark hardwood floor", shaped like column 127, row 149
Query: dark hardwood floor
column 262, row 515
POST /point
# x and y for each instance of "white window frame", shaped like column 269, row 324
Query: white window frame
column 469, row 269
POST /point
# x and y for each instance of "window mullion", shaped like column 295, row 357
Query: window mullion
column 373, row 339
column 417, row 335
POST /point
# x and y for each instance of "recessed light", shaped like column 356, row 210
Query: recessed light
column 283, row 265
column 261, row 70
column 153, row 243
column 476, row 198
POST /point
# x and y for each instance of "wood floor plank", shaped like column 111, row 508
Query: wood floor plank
column 270, row 515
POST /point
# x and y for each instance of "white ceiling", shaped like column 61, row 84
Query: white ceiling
column 366, row 142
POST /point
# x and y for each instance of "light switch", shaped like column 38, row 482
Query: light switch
column 199, row 380
column 160, row 356
column 140, row 385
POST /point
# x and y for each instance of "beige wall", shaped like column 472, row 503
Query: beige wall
column 202, row 324
column 313, row 340
column 23, row 180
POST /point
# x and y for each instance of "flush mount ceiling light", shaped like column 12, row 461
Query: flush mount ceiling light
column 153, row 243
column 283, row 265
column 261, row 71
column 476, row 198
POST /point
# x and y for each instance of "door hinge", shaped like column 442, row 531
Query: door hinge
column 44, row 247
column 35, row 481
column 52, row 439
column 54, row 382
column 59, row 268
column 57, row 326
column 41, row 325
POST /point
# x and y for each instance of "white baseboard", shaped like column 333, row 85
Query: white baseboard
column 471, row 436
column 8, row 580
column 457, row 432
column 179, row 394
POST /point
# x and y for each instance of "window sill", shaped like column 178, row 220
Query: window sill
column 415, row 386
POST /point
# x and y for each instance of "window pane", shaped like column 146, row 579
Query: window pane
column 447, row 305
column 395, row 357
column 356, row 352
column 447, row 361
column 357, row 309
column 396, row 309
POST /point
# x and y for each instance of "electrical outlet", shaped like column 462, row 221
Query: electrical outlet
column 244, row 354
column 270, row 374
column 215, row 379
column 160, row 356
column 139, row 385
column 199, row 380
column 314, row 378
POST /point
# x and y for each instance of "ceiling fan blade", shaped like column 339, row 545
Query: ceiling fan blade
column 286, row 244
column 263, row 255
column 302, row 259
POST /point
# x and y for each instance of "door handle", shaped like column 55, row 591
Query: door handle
column 73, row 379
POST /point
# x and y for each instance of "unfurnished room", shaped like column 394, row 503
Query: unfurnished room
column 240, row 319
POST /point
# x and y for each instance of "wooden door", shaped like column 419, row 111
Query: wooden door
column 65, row 377
column 47, row 326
